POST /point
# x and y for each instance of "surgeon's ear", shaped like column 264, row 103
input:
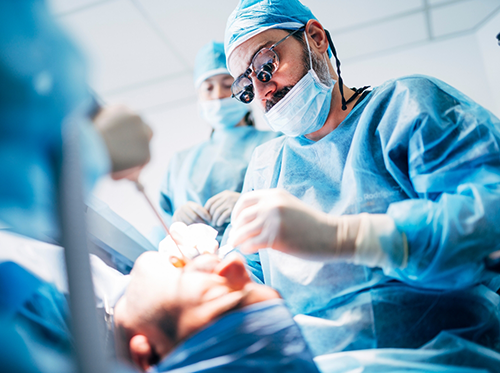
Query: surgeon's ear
column 141, row 351
column 233, row 269
column 318, row 36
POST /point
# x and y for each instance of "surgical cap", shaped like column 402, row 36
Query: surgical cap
column 210, row 61
column 251, row 17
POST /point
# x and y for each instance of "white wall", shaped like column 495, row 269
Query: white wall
column 456, row 61
column 490, row 51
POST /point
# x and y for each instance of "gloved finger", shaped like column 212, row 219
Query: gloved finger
column 266, row 238
column 191, row 217
column 246, row 200
column 184, row 215
column 223, row 217
column 245, row 217
column 201, row 212
column 216, row 209
column 245, row 232
column 218, row 197
column 221, row 208
column 252, row 245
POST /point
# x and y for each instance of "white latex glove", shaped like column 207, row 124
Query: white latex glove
column 126, row 136
column 220, row 207
column 191, row 213
column 276, row 219
column 192, row 239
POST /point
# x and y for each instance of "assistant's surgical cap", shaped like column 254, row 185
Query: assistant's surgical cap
column 251, row 17
column 209, row 61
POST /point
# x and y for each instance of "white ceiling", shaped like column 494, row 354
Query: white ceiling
column 141, row 52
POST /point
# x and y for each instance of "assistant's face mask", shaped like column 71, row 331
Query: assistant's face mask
column 305, row 108
column 223, row 113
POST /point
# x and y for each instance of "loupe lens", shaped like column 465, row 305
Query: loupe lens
column 266, row 73
column 240, row 85
column 265, row 63
column 247, row 96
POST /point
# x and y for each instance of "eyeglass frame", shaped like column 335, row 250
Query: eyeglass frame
column 250, row 68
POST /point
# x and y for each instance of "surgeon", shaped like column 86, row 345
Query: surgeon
column 374, row 203
column 203, row 183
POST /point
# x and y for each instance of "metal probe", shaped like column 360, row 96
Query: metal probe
column 140, row 188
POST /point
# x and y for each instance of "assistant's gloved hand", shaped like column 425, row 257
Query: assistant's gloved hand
column 220, row 206
column 276, row 219
column 126, row 136
column 191, row 213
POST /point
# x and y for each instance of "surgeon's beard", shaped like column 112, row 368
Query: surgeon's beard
column 319, row 65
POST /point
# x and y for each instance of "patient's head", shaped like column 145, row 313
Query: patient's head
column 163, row 305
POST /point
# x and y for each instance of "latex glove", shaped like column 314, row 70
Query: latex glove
column 276, row 219
column 193, row 240
column 220, row 207
column 191, row 213
column 126, row 136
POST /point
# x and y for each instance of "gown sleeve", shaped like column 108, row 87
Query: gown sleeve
column 447, row 148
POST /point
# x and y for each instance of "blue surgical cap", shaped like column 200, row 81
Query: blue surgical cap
column 251, row 17
column 210, row 61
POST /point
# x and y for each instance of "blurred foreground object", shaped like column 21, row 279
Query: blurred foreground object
column 126, row 136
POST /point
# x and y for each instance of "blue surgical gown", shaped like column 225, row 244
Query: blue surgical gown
column 216, row 165
column 429, row 157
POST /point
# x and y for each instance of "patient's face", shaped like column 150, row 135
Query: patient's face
column 165, row 304
column 156, row 283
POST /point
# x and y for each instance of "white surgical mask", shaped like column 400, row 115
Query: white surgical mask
column 305, row 108
column 224, row 113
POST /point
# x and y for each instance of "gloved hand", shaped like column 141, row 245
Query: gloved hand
column 193, row 240
column 126, row 136
column 191, row 213
column 220, row 207
column 276, row 219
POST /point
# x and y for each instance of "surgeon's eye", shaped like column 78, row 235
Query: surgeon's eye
column 206, row 87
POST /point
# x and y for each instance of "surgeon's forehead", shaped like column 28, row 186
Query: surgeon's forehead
column 243, row 54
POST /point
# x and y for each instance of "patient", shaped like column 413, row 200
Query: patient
column 207, row 315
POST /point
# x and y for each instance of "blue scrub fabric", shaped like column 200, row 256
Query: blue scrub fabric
column 429, row 157
column 216, row 165
column 42, row 83
column 259, row 338
column 34, row 319
column 445, row 353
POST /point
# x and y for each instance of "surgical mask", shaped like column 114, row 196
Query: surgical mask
column 305, row 108
column 224, row 113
